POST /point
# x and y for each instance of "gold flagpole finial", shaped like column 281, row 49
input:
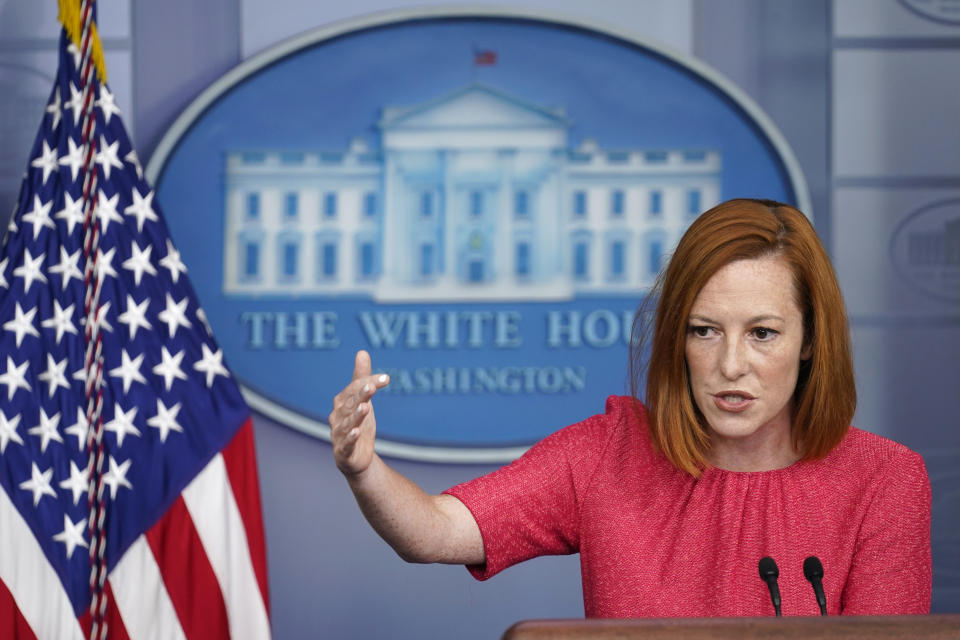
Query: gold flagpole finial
column 72, row 21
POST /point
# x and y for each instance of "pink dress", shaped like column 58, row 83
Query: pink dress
column 655, row 542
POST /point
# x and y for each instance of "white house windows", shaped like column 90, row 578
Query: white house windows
column 291, row 206
column 521, row 204
column 522, row 259
column 654, row 244
column 427, row 266
column 250, row 243
column 288, row 257
column 617, row 203
column 253, row 207
column 694, row 203
column 476, row 203
column 367, row 257
column 327, row 244
column 617, row 243
column 656, row 203
column 579, row 204
column 427, row 204
column 330, row 205
column 370, row 204
column 580, row 258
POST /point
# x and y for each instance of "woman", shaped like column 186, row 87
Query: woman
column 743, row 450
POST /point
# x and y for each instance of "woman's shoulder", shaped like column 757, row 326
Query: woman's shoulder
column 623, row 421
column 875, row 456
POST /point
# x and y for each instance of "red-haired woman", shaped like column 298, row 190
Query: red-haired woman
column 742, row 450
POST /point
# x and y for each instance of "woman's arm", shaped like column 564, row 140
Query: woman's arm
column 420, row 527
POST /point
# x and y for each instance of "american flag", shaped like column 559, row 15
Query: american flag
column 183, row 528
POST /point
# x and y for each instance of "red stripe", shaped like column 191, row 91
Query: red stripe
column 12, row 623
column 188, row 575
column 240, row 458
column 115, row 627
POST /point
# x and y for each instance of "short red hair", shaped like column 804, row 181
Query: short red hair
column 825, row 397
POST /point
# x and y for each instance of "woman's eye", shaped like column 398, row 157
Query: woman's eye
column 700, row 331
column 761, row 333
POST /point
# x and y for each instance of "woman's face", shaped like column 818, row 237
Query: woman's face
column 744, row 344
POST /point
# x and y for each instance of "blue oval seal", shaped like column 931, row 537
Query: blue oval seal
column 479, row 197
column 925, row 249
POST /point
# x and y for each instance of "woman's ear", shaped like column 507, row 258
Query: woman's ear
column 807, row 350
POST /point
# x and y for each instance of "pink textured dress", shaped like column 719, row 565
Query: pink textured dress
column 655, row 542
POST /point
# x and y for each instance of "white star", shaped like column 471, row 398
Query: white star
column 79, row 428
column 135, row 161
column 203, row 318
column 72, row 212
column 14, row 377
column 47, row 160
column 39, row 216
column 172, row 262
column 3, row 273
column 211, row 364
column 74, row 51
column 129, row 370
column 54, row 108
column 8, row 431
column 54, row 376
column 107, row 104
column 78, row 482
column 75, row 104
column 175, row 315
column 73, row 159
column 101, row 318
column 139, row 262
column 117, row 477
column 72, row 534
column 107, row 156
column 60, row 321
column 141, row 208
column 30, row 270
column 135, row 316
column 22, row 323
column 165, row 420
column 67, row 267
column 107, row 210
column 122, row 423
column 169, row 367
column 47, row 429
column 104, row 265
column 39, row 483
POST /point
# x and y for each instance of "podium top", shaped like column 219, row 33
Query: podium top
column 835, row 628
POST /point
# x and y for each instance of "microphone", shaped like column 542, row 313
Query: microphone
column 769, row 574
column 813, row 571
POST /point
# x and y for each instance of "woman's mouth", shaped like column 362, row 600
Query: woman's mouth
column 733, row 401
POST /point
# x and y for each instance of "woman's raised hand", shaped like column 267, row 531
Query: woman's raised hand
column 352, row 424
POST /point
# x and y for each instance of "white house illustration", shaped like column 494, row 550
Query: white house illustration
column 477, row 195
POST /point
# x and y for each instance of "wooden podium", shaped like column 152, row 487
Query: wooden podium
column 834, row 628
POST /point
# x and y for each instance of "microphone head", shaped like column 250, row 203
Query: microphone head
column 812, row 568
column 768, row 569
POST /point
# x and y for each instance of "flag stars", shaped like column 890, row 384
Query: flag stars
column 55, row 375
column 141, row 209
column 68, row 267
column 165, row 420
column 74, row 52
column 30, row 270
column 46, row 430
column 116, row 476
column 54, row 108
column 211, row 364
column 8, row 431
column 61, row 321
column 107, row 104
column 22, row 323
column 15, row 377
column 39, row 483
column 175, row 315
column 39, row 217
column 107, row 210
column 79, row 428
column 139, row 262
column 72, row 212
column 129, row 370
column 73, row 159
column 72, row 534
column 169, row 367
column 172, row 262
column 135, row 316
column 3, row 273
column 135, row 161
column 75, row 103
column 47, row 160
column 107, row 156
column 101, row 321
column 78, row 482
column 104, row 265
column 122, row 423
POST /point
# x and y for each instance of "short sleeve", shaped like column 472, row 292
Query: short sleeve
column 891, row 572
column 530, row 507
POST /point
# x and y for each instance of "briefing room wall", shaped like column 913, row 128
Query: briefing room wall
column 330, row 576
